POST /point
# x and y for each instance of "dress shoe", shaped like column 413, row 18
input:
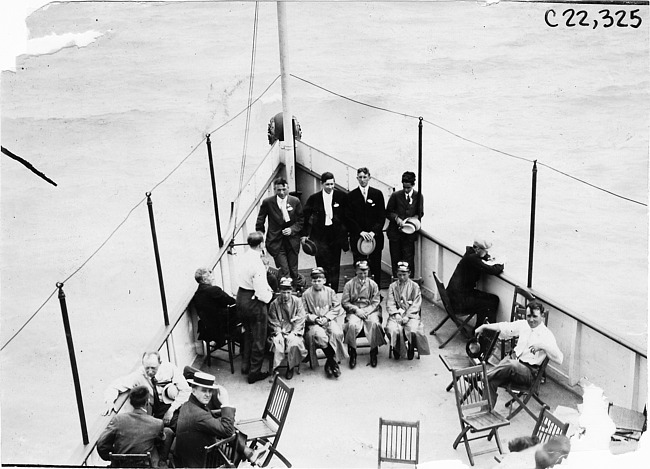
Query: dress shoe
column 373, row 357
column 353, row 357
column 336, row 371
column 289, row 373
column 411, row 352
column 328, row 369
column 396, row 354
column 257, row 376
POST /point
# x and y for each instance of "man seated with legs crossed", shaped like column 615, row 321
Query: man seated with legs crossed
column 287, row 325
column 535, row 343
column 404, row 324
column 361, row 303
column 323, row 331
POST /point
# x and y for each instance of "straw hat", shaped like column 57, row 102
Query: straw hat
column 366, row 247
column 204, row 380
column 169, row 393
column 411, row 225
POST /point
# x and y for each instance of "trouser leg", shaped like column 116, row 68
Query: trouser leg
column 258, row 331
column 507, row 371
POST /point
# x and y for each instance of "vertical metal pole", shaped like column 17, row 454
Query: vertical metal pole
column 73, row 364
column 214, row 191
column 420, row 197
column 157, row 254
column 531, row 242
column 286, row 152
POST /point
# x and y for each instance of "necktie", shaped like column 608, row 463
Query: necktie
column 365, row 195
column 156, row 399
column 285, row 213
column 408, row 199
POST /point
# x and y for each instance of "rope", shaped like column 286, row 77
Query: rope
column 251, row 82
column 471, row 141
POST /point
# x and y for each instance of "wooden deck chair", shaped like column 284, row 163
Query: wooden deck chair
column 475, row 409
column 398, row 442
column 488, row 341
column 630, row 424
column 523, row 394
column 230, row 338
column 455, row 318
column 223, row 453
column 520, row 299
column 268, row 429
column 546, row 427
column 130, row 460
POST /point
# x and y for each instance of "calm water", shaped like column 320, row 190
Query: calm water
column 110, row 120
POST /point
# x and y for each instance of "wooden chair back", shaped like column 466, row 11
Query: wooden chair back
column 130, row 460
column 222, row 453
column 444, row 296
column 277, row 404
column 630, row 424
column 398, row 442
column 471, row 389
column 548, row 425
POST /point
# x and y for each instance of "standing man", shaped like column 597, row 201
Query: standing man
column 253, row 296
column 403, row 204
column 284, row 213
column 404, row 323
column 465, row 298
column 287, row 324
column 136, row 432
column 325, row 225
column 366, row 214
column 535, row 343
column 323, row 330
column 361, row 303
column 167, row 386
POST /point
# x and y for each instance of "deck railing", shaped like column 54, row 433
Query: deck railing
column 177, row 342
column 606, row 359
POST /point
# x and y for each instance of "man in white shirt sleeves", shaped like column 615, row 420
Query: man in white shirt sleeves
column 253, row 297
column 535, row 343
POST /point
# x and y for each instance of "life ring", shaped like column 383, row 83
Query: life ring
column 276, row 129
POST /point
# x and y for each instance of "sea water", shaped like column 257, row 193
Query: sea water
column 109, row 119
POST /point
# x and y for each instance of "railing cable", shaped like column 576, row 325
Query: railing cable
column 471, row 141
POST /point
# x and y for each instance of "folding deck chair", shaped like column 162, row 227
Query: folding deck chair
column 399, row 442
column 455, row 318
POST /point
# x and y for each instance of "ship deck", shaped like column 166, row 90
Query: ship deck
column 334, row 422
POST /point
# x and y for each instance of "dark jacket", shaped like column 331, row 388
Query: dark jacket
column 468, row 272
column 133, row 432
column 397, row 207
column 211, row 304
column 366, row 215
column 196, row 428
column 314, row 215
column 269, row 209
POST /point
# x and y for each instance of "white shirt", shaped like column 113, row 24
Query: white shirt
column 282, row 203
column 252, row 275
column 327, row 203
column 364, row 192
column 540, row 336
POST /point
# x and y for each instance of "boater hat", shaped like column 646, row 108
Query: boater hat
column 411, row 225
column 203, row 379
column 366, row 247
column 169, row 393
column 309, row 247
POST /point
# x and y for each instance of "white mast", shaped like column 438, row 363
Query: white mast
column 286, row 147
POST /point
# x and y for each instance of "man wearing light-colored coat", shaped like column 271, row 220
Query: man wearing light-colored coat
column 403, row 306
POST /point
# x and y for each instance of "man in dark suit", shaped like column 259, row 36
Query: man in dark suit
column 136, row 432
column 284, row 213
column 403, row 204
column 212, row 306
column 366, row 214
column 325, row 225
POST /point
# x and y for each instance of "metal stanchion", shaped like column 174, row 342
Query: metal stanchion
column 157, row 254
column 214, row 191
column 73, row 364
column 531, row 242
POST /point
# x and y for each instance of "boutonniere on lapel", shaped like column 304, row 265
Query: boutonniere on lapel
column 289, row 208
column 335, row 204
column 369, row 201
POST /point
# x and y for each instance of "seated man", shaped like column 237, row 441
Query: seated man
column 287, row 325
column 361, row 303
column 211, row 304
column 535, row 342
column 136, row 432
column 157, row 376
column 323, row 331
column 197, row 426
column 404, row 324
column 464, row 297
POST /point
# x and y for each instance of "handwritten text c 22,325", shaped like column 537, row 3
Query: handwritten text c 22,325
column 605, row 19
